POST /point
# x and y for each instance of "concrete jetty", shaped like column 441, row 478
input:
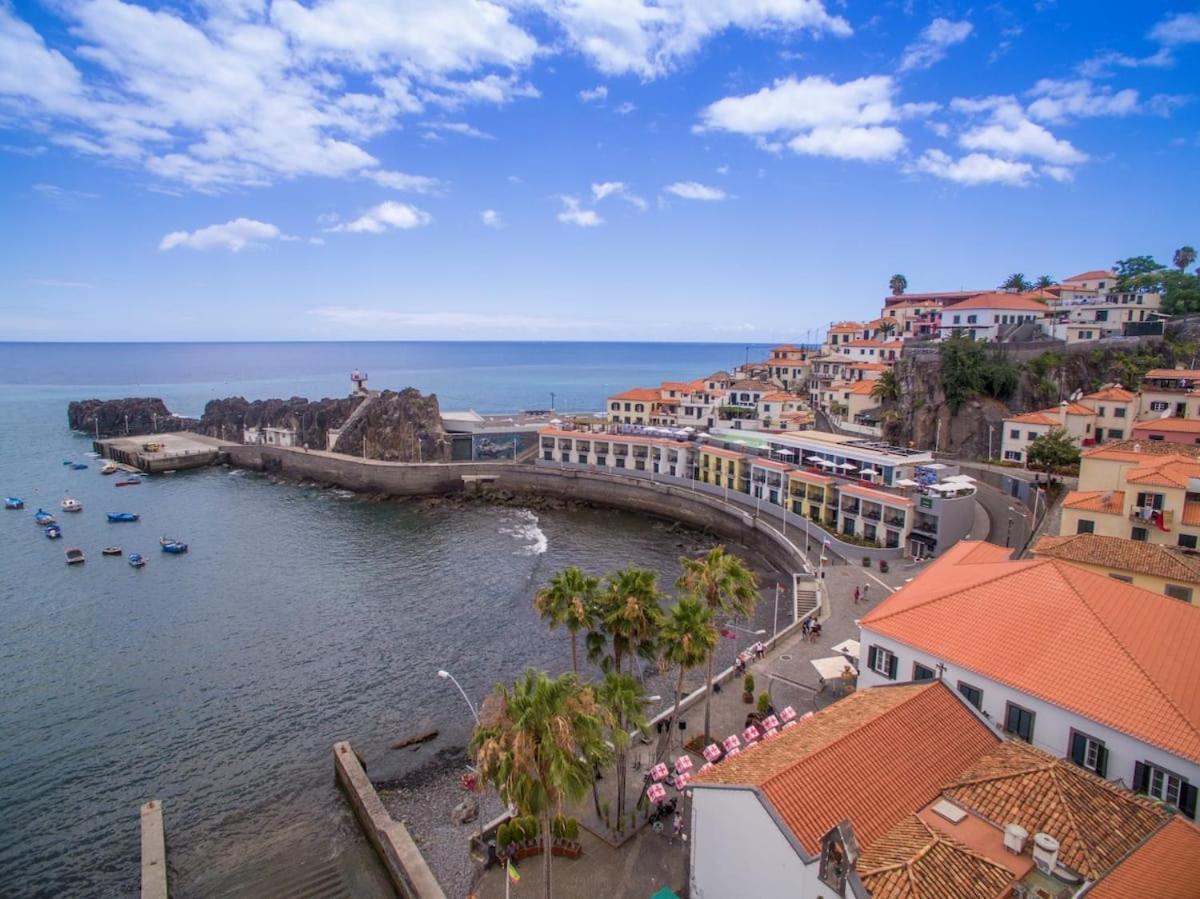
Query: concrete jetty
column 154, row 852
column 156, row 453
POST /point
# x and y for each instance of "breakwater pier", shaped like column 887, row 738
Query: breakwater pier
column 158, row 453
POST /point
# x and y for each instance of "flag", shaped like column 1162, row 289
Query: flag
column 513, row 874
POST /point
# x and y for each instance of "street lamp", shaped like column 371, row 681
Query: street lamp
column 446, row 674
column 1008, row 533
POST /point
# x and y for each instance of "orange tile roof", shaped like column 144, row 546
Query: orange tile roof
column 771, row 463
column 1135, row 450
column 860, row 388
column 681, row 386
column 1166, row 471
column 1055, row 631
column 1191, row 374
column 647, row 394
column 873, row 758
column 1113, row 394
column 1137, row 556
column 1093, row 275
column 780, row 396
column 1168, row 426
column 1095, row 821
column 1037, row 418
column 894, row 344
column 1166, row 866
column 788, row 363
column 1111, row 502
column 1012, row 301
column 786, row 348
column 914, row 861
column 877, row 496
column 846, row 326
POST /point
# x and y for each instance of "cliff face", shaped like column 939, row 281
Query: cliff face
column 924, row 416
column 226, row 418
column 398, row 427
column 132, row 415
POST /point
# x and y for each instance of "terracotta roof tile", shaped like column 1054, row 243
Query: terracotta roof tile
column 1111, row 502
column 1037, row 418
column 1166, row 866
column 1113, row 394
column 1012, row 301
column 1055, row 631
column 1167, row 374
column 1095, row 821
column 722, row 452
column 644, row 394
column 1093, row 275
column 1168, row 471
column 913, row 861
column 873, row 758
column 1136, row 556
column 1168, row 426
column 1132, row 450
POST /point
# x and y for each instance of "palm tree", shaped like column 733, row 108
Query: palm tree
column 627, row 619
column 538, row 744
column 570, row 600
column 1015, row 282
column 1044, row 281
column 887, row 326
column 886, row 387
column 724, row 584
column 898, row 284
column 688, row 637
column 1184, row 257
column 624, row 700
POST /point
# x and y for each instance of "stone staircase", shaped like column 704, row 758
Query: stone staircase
column 359, row 411
column 806, row 601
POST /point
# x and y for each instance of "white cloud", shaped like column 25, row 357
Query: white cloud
column 975, row 168
column 651, row 37
column 933, row 43
column 416, row 184
column 574, row 214
column 1181, row 28
column 617, row 189
column 625, row 108
column 1058, row 101
column 1101, row 65
column 597, row 94
column 462, row 128
column 234, row 235
column 60, row 284
column 1009, row 133
column 491, row 218
column 817, row 116
column 375, row 318
column 54, row 192
column 387, row 216
column 694, row 190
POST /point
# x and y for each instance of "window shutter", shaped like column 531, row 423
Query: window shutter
column 1141, row 777
column 1187, row 800
column 892, row 668
column 871, row 654
column 1102, row 762
column 1078, row 749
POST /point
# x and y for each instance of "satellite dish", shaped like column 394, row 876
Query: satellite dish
column 1166, row 413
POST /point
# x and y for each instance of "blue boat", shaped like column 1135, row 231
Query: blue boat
column 122, row 516
column 135, row 560
column 14, row 502
column 79, row 466
column 172, row 546
column 53, row 532
column 67, row 462
column 42, row 517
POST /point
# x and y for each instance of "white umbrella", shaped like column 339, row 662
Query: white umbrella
column 906, row 482
column 849, row 467
column 814, row 459
column 870, row 470
column 848, row 648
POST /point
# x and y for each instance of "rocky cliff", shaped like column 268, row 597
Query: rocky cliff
column 310, row 420
column 132, row 415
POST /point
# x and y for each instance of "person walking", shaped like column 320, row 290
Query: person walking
column 866, row 587
column 856, row 596
column 676, row 829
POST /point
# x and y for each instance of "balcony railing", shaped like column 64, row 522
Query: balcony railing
column 1140, row 514
column 926, row 526
column 893, row 521
column 871, row 515
column 850, row 508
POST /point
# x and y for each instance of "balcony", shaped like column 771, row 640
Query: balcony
column 815, row 496
column 871, row 514
column 850, row 508
column 925, row 525
column 894, row 521
column 620, row 450
column 1139, row 514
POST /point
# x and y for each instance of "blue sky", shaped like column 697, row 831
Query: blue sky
column 572, row 169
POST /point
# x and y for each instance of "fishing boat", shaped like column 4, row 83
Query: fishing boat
column 79, row 466
column 129, row 482
column 135, row 560
column 14, row 502
column 75, row 556
column 122, row 516
column 172, row 546
column 53, row 532
column 71, row 505
column 109, row 468
column 43, row 518
column 67, row 462
column 111, row 551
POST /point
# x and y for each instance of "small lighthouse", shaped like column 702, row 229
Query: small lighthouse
column 359, row 379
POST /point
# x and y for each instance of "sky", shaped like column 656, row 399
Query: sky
column 710, row 170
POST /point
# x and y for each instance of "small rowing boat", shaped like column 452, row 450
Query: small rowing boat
column 135, row 560
column 75, row 556
column 71, row 505
column 79, row 466
column 129, row 482
column 43, row 518
column 122, row 516
column 53, row 532
column 172, row 546
column 111, row 551
column 14, row 502
column 109, row 468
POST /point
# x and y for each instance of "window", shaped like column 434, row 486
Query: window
column 971, row 694
column 1018, row 722
column 1116, row 433
column 1123, row 578
column 1138, row 534
column 1032, row 435
column 1187, row 541
column 1088, row 752
column 1012, row 455
column 1119, row 412
column 1015, row 433
column 957, row 319
column 1162, row 784
column 882, row 661
column 1158, row 406
column 1177, row 591
column 1085, row 526
column 920, row 672
column 972, row 319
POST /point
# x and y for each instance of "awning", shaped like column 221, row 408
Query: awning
column 833, row 667
column 906, row 482
column 848, row 648
column 849, row 467
column 813, row 459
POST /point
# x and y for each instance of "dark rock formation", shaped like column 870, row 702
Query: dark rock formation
column 397, row 427
column 132, row 415
column 227, row 418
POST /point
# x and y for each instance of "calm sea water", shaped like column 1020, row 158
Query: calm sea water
column 218, row 681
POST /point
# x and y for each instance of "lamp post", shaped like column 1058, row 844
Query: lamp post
column 1008, row 533
column 443, row 674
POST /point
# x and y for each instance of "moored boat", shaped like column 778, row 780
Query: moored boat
column 42, row 517
column 129, row 482
column 75, row 556
column 111, row 551
column 135, row 560
column 53, row 532
column 172, row 546
column 109, row 468
column 79, row 466
column 71, row 505
column 14, row 502
column 122, row 516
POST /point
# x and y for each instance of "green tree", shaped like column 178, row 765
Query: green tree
column 886, row 387
column 1044, row 281
column 962, row 369
column 1135, row 267
column 726, row 586
column 1052, row 451
column 999, row 378
column 1016, row 281
column 898, row 284
column 628, row 618
column 624, row 700
column 1180, row 292
column 887, row 326
column 569, row 600
column 688, row 637
column 539, row 744
column 1184, row 257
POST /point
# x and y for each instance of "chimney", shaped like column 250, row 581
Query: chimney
column 1062, row 413
column 1045, row 852
column 1014, row 838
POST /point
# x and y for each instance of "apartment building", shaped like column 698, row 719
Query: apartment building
column 990, row 316
column 1020, row 431
column 617, row 452
column 1151, row 566
column 1170, row 393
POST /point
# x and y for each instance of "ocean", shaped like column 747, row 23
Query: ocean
column 218, row 681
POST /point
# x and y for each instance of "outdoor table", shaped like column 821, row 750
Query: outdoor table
column 659, row 772
column 712, row 752
column 656, row 793
column 683, row 764
column 788, row 713
column 731, row 743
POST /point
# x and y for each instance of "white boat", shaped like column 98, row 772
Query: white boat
column 109, row 468
column 71, row 505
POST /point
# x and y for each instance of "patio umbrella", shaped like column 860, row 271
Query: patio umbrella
column 682, row 781
column 731, row 743
column 788, row 713
column 659, row 772
column 656, row 793
column 683, row 764
column 712, row 752
column 750, row 734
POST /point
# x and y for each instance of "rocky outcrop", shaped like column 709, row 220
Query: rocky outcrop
column 228, row 418
column 398, row 427
column 132, row 415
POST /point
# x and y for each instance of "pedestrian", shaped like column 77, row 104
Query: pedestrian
column 866, row 587
column 856, row 596
column 759, row 652
column 676, row 829
column 806, row 626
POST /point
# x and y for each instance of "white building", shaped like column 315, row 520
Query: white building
column 990, row 316
column 1076, row 419
column 1083, row 666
